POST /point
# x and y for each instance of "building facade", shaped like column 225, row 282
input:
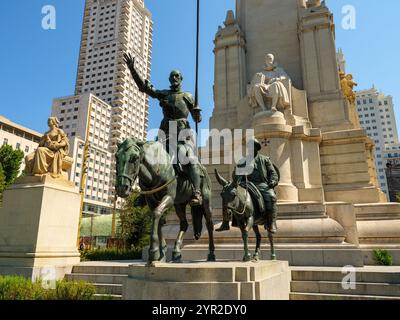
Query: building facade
column 392, row 159
column 19, row 137
column 110, row 29
column 107, row 107
column 377, row 117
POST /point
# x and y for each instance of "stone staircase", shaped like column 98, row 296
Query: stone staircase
column 107, row 277
column 308, row 283
column 372, row 283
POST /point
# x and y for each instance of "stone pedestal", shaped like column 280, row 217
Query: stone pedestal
column 294, row 149
column 39, row 227
column 309, row 234
column 348, row 169
column 264, row 280
column 378, row 223
column 324, row 156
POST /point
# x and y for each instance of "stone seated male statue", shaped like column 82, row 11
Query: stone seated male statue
column 270, row 89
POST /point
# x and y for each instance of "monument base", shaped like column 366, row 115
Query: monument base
column 306, row 254
column 264, row 280
column 39, row 227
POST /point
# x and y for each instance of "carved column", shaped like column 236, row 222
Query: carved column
column 230, row 84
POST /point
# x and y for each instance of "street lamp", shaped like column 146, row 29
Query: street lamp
column 84, row 173
column 113, row 225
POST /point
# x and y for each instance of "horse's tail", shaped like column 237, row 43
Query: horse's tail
column 197, row 220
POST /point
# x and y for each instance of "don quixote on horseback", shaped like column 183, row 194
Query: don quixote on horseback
column 166, row 181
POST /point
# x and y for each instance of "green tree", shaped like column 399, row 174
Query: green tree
column 2, row 183
column 134, row 224
column 10, row 160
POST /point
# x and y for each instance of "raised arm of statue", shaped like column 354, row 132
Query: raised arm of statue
column 143, row 85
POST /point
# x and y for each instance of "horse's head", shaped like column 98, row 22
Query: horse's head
column 128, row 156
column 229, row 192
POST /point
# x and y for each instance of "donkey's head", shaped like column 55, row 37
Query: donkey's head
column 229, row 193
column 129, row 157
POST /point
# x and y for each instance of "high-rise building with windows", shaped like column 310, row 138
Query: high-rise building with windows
column 107, row 104
column 377, row 117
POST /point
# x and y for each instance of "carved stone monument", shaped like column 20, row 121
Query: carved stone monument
column 40, row 214
column 331, row 211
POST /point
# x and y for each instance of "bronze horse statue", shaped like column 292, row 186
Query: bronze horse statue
column 151, row 165
column 237, row 200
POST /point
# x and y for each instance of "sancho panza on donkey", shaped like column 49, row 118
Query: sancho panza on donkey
column 163, row 180
column 250, row 198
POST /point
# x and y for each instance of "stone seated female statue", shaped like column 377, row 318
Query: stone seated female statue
column 51, row 154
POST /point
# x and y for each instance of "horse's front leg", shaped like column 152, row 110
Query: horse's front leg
column 156, row 234
column 271, row 242
column 181, row 213
column 257, row 254
column 162, row 242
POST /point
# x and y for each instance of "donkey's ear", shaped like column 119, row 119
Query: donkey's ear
column 221, row 180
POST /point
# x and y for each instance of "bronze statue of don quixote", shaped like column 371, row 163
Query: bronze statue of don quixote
column 167, row 182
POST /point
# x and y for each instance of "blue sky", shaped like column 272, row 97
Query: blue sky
column 38, row 65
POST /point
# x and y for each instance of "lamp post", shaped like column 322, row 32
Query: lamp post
column 84, row 173
column 91, row 231
column 113, row 225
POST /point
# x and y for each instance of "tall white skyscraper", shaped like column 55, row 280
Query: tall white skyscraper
column 377, row 117
column 107, row 104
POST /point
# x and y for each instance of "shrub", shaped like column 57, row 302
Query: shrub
column 20, row 288
column 111, row 254
column 76, row 290
column 383, row 257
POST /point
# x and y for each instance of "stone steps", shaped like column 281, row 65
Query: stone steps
column 107, row 277
column 97, row 278
column 308, row 283
column 100, row 269
column 325, row 296
column 361, row 288
column 107, row 288
column 371, row 283
column 336, row 275
column 107, row 297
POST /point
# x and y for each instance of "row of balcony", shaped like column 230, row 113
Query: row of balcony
column 117, row 117
column 120, row 86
